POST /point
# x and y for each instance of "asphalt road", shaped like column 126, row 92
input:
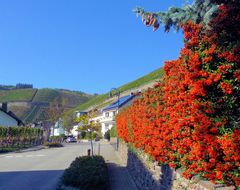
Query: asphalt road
column 38, row 170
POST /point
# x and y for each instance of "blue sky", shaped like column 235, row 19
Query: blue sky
column 89, row 45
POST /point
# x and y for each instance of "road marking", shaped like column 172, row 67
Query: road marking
column 24, row 156
column 40, row 155
column 28, row 156
column 8, row 156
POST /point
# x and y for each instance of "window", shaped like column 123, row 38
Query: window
column 107, row 114
column 114, row 113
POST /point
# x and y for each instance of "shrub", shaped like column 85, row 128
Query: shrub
column 53, row 144
column 6, row 150
column 107, row 135
column 89, row 173
column 20, row 136
column 57, row 139
column 83, row 134
column 113, row 132
column 191, row 118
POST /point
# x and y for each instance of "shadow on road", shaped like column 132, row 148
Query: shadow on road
column 30, row 180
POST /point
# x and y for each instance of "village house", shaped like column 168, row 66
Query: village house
column 8, row 118
column 108, row 114
column 57, row 129
column 75, row 130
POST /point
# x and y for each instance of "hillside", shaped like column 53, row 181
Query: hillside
column 17, row 95
column 154, row 75
column 138, row 84
column 33, row 105
column 102, row 100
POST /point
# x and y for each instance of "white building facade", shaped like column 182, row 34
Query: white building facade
column 107, row 118
column 57, row 129
column 75, row 129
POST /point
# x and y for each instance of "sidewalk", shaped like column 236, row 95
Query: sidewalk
column 119, row 177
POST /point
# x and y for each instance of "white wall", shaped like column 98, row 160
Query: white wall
column 6, row 120
column 57, row 132
column 110, row 113
column 105, row 127
column 107, row 122
column 74, row 131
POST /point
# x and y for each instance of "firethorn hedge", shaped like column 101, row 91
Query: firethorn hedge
column 191, row 118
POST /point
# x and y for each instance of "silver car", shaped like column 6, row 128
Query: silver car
column 71, row 140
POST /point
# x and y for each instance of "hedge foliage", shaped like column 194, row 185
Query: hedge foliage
column 191, row 118
column 20, row 136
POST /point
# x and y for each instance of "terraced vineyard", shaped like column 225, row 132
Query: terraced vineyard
column 45, row 95
column 33, row 111
column 32, row 105
column 17, row 95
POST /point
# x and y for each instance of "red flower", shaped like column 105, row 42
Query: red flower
column 226, row 88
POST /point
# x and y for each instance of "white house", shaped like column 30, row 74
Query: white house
column 108, row 114
column 74, row 131
column 57, row 129
column 8, row 118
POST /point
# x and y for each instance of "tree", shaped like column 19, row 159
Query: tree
column 68, row 121
column 200, row 11
column 86, row 123
column 55, row 109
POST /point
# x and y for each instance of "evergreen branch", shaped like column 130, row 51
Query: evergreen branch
column 201, row 11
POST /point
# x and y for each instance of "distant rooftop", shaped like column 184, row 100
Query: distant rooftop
column 117, row 104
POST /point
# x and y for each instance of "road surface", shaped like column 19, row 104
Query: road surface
column 37, row 170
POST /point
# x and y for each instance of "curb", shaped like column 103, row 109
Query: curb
column 29, row 149
column 22, row 151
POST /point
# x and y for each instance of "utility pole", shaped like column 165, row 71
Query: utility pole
column 118, row 97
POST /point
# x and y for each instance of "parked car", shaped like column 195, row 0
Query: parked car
column 97, row 138
column 71, row 140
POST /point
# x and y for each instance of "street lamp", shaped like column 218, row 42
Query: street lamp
column 111, row 94
column 118, row 95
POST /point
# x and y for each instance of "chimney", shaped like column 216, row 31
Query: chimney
column 5, row 106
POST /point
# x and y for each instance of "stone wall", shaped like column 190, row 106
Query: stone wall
column 148, row 175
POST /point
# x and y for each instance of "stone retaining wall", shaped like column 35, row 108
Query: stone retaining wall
column 148, row 175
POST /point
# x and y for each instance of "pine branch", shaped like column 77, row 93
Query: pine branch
column 201, row 11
